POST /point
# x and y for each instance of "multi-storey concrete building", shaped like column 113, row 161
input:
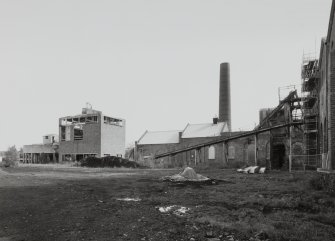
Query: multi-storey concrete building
column 91, row 134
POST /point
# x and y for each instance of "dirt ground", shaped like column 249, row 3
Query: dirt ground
column 72, row 203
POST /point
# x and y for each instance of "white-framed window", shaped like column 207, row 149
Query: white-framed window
column 211, row 153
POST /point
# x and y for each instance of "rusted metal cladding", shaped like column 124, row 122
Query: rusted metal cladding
column 224, row 97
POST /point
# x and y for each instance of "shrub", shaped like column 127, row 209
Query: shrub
column 11, row 157
column 108, row 161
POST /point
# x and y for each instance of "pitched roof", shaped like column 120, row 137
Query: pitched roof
column 204, row 130
column 159, row 137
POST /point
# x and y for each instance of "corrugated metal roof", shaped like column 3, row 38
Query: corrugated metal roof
column 204, row 130
column 159, row 137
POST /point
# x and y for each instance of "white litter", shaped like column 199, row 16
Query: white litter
column 181, row 211
column 252, row 169
column 166, row 209
column 127, row 199
column 175, row 209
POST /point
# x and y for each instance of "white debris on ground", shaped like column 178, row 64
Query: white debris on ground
column 188, row 174
column 127, row 199
column 175, row 209
column 252, row 169
column 166, row 209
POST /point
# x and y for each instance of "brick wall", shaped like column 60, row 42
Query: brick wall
column 331, row 110
column 91, row 143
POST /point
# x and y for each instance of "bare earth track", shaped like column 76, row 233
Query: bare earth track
column 67, row 203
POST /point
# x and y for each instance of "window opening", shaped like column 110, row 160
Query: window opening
column 78, row 132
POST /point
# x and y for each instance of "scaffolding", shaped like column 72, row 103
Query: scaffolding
column 309, row 110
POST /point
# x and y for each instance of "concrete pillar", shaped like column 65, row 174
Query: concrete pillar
column 195, row 157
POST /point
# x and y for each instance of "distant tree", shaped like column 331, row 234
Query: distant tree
column 11, row 156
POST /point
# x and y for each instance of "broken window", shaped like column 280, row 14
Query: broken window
column 89, row 119
column 92, row 119
column 63, row 122
column 112, row 121
column 65, row 133
column 62, row 133
column 69, row 121
column 78, row 132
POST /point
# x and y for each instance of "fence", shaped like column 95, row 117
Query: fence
column 305, row 162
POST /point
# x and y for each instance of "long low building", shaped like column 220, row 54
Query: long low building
column 42, row 153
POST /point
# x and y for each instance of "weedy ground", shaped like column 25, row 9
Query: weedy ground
column 48, row 202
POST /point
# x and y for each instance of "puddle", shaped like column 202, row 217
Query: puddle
column 175, row 209
column 127, row 199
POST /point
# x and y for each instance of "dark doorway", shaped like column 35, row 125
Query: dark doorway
column 278, row 156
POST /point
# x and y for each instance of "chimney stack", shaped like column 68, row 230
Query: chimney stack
column 224, row 97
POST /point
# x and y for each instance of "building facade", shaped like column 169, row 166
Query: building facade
column 91, row 134
column 325, row 103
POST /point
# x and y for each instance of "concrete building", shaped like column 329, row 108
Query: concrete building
column 91, row 133
column 42, row 153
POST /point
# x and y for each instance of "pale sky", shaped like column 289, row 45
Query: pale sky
column 153, row 62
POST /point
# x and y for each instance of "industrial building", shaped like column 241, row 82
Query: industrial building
column 298, row 134
column 319, row 84
column 90, row 133
column 277, row 142
column 214, row 144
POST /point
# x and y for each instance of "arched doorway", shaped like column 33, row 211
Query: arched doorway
column 278, row 156
column 211, row 153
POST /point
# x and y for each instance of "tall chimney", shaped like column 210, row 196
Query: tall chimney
column 224, row 98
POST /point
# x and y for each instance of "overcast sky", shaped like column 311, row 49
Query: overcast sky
column 153, row 62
